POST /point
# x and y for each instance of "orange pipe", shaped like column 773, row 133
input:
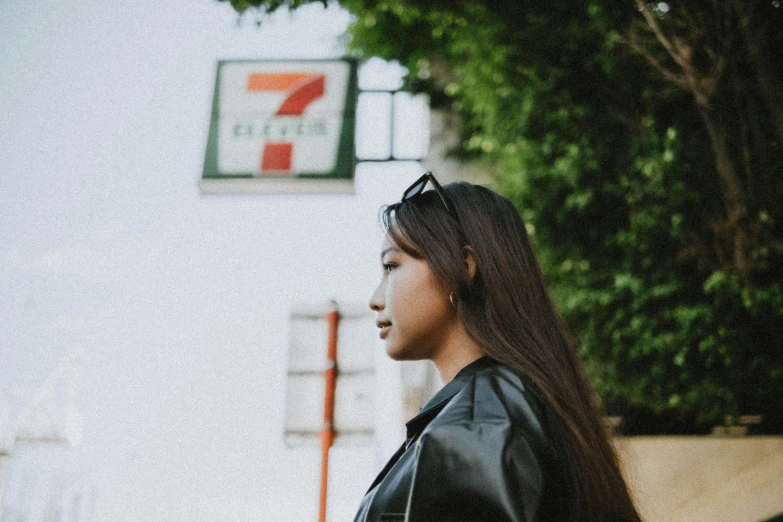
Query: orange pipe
column 330, row 376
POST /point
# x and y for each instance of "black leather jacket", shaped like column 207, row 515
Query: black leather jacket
column 479, row 450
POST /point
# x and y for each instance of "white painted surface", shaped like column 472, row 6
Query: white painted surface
column 179, row 303
column 710, row 479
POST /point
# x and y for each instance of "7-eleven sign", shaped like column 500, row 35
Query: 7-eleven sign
column 282, row 119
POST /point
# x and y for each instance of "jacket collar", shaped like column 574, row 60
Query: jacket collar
column 428, row 412
column 444, row 395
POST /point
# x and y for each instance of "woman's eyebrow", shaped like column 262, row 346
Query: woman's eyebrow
column 389, row 249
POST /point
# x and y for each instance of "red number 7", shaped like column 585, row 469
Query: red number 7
column 302, row 90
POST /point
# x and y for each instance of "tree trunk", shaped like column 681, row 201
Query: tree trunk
column 731, row 187
column 769, row 86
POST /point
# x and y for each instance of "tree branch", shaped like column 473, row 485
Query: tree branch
column 667, row 73
column 753, row 33
column 656, row 29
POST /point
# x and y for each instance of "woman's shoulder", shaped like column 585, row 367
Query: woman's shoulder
column 497, row 394
column 497, row 416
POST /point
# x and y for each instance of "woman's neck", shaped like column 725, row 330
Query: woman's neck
column 459, row 351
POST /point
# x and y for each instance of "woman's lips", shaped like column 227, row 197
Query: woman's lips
column 384, row 331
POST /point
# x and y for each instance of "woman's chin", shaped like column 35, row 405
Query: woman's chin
column 402, row 354
column 394, row 354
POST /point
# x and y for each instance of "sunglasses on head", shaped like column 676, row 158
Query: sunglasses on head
column 418, row 187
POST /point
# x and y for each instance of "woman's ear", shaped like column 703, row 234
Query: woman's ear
column 470, row 261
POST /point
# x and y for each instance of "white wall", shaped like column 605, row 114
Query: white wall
column 178, row 303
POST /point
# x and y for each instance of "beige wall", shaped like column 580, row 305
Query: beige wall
column 715, row 479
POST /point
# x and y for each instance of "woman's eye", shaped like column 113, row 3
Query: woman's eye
column 388, row 266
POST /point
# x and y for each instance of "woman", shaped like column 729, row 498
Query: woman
column 516, row 433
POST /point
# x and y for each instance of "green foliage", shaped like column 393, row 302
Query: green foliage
column 577, row 108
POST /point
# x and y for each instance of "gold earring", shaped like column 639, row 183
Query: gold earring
column 451, row 298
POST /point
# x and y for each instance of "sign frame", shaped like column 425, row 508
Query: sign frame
column 339, row 181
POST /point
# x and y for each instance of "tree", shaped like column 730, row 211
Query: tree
column 643, row 143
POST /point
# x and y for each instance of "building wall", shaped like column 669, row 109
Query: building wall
column 716, row 479
column 178, row 303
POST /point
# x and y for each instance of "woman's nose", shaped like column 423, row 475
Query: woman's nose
column 376, row 299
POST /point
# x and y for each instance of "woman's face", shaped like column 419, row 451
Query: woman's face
column 414, row 311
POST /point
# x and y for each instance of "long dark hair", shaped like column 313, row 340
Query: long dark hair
column 506, row 309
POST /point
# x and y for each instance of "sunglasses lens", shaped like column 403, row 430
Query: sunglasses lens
column 416, row 188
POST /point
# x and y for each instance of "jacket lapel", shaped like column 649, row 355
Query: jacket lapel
column 430, row 410
column 389, row 465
